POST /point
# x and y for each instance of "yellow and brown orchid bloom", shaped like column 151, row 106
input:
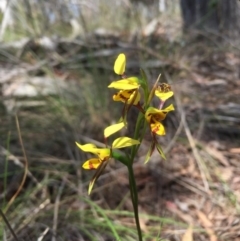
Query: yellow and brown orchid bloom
column 154, row 117
column 103, row 155
column 163, row 94
column 128, row 90
column 128, row 93
column 128, row 97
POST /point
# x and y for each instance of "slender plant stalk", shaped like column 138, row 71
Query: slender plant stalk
column 133, row 188
column 134, row 196
column 8, row 225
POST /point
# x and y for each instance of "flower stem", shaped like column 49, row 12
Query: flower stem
column 134, row 196
column 133, row 187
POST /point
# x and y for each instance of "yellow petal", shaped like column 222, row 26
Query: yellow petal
column 113, row 129
column 154, row 114
column 158, row 128
column 152, row 110
column 102, row 153
column 124, row 141
column 119, row 65
column 134, row 98
column 125, row 84
column 169, row 108
column 159, row 115
column 163, row 96
column 91, row 164
column 86, row 147
column 122, row 95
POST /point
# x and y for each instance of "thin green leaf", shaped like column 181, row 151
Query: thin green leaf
column 153, row 90
column 145, row 85
column 149, row 153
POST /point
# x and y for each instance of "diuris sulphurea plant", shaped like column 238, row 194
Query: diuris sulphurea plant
column 133, row 92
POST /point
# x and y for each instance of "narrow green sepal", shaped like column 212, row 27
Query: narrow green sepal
column 145, row 86
column 153, row 90
column 143, row 81
column 160, row 150
column 149, row 153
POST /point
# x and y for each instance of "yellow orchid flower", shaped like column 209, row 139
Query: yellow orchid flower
column 129, row 93
column 102, row 153
column 164, row 92
column 128, row 96
column 103, row 156
column 154, row 116
column 120, row 64
column 130, row 83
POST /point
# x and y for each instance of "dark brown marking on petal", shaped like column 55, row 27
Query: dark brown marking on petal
column 91, row 166
column 164, row 88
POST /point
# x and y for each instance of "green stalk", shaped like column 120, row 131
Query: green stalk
column 133, row 188
column 134, row 196
column 136, row 135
